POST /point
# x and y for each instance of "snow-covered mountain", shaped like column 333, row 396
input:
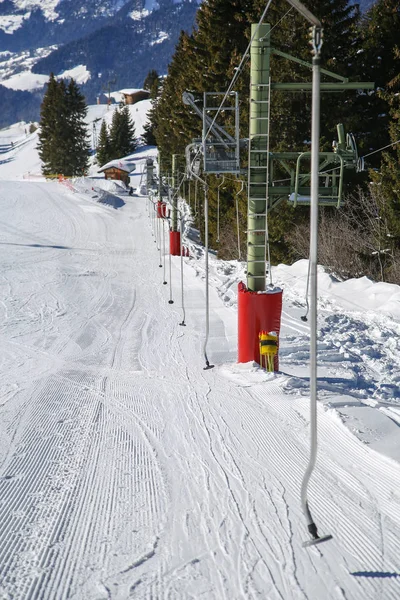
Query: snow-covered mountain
column 112, row 40
column 106, row 37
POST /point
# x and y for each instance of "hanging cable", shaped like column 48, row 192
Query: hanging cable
column 160, row 224
column 279, row 22
column 165, row 251
column 380, row 149
column 237, row 220
column 208, row 366
column 207, row 319
column 237, row 71
column 182, row 323
column 304, row 317
column 315, row 132
column 158, row 236
column 223, row 179
column 170, row 301
column 195, row 198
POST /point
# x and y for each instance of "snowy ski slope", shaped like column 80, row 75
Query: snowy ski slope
column 127, row 471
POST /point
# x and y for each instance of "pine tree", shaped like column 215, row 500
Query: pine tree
column 103, row 155
column 377, row 61
column 390, row 166
column 148, row 136
column 122, row 134
column 388, row 176
column 52, row 119
column 76, row 132
column 63, row 145
column 152, row 84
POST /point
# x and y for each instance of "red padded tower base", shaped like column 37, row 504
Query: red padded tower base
column 175, row 243
column 257, row 311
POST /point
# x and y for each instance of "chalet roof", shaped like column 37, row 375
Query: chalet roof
column 125, row 165
column 129, row 91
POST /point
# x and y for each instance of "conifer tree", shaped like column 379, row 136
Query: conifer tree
column 122, row 134
column 76, row 132
column 378, row 62
column 52, row 120
column 388, row 176
column 104, row 146
column 148, row 136
column 152, row 84
column 63, row 144
column 390, row 167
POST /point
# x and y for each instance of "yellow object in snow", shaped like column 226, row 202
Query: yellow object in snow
column 268, row 349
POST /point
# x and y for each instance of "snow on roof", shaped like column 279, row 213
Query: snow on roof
column 123, row 164
column 133, row 91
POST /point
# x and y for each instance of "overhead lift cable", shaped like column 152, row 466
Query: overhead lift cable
column 238, row 70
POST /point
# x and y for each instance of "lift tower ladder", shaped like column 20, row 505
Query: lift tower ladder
column 258, row 160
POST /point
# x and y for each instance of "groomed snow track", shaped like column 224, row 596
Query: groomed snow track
column 128, row 472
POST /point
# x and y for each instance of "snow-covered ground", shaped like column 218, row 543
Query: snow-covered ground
column 126, row 470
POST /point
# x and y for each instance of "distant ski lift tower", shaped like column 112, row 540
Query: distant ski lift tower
column 220, row 149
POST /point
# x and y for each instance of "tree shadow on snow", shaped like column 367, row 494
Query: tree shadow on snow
column 381, row 574
column 36, row 246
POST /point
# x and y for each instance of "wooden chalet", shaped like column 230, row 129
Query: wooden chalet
column 118, row 170
column 131, row 96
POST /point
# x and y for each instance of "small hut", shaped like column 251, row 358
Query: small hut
column 118, row 170
column 102, row 99
column 131, row 96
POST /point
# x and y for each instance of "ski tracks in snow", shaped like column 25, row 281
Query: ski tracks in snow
column 131, row 473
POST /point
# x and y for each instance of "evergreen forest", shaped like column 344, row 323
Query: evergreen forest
column 362, row 237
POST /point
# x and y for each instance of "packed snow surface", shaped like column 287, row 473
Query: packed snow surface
column 128, row 471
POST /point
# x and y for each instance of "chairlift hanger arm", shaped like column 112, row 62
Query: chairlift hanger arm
column 308, row 65
column 325, row 87
column 218, row 131
column 306, row 13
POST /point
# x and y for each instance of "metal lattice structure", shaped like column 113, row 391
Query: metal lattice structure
column 219, row 148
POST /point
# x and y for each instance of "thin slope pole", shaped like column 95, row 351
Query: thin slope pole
column 164, row 247
column 315, row 127
column 182, row 289
column 208, row 366
column 223, row 178
column 207, row 316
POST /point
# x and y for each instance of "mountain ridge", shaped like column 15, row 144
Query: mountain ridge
column 118, row 40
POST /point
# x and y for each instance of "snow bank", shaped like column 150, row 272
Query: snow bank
column 360, row 294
